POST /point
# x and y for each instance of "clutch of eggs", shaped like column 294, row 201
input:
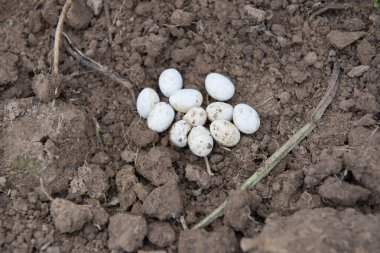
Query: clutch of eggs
column 226, row 121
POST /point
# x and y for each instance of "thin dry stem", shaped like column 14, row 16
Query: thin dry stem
column 208, row 167
column 44, row 190
column 58, row 32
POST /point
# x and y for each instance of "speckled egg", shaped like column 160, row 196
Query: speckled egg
column 200, row 141
column 179, row 132
column 219, row 110
column 225, row 132
column 196, row 116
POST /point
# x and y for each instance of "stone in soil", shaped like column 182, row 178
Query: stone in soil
column 126, row 232
column 68, row 216
column 164, row 203
column 181, row 18
column 96, row 6
column 222, row 240
column 341, row 39
column 161, row 234
column 342, row 193
column 198, row 175
column 317, row 230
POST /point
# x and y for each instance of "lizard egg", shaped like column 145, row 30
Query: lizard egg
column 219, row 87
column 196, row 116
column 170, row 81
column 246, row 118
column 200, row 141
column 225, row 132
column 185, row 99
column 219, row 110
column 161, row 117
column 146, row 101
column 178, row 133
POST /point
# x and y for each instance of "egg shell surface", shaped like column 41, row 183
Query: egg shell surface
column 219, row 110
column 161, row 117
column 196, row 116
column 185, row 99
column 170, row 80
column 246, row 118
column 179, row 132
column 219, row 87
column 200, row 141
column 225, row 132
column 146, row 100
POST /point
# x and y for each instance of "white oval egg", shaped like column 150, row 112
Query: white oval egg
column 170, row 81
column 225, row 132
column 185, row 99
column 219, row 87
column 146, row 101
column 161, row 117
column 246, row 118
column 178, row 133
column 196, row 116
column 200, row 141
column 219, row 110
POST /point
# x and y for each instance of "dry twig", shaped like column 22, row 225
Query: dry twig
column 332, row 6
column 286, row 148
column 88, row 62
column 58, row 32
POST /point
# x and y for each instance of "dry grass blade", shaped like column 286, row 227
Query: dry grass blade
column 58, row 32
column 286, row 148
column 332, row 6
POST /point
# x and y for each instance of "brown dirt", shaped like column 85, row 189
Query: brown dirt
column 279, row 62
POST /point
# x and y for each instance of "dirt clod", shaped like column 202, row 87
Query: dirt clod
column 68, row 216
column 8, row 70
column 156, row 166
column 222, row 240
column 161, row 234
column 47, row 87
column 365, row 52
column 358, row 71
column 181, row 18
column 79, row 15
column 343, row 231
column 141, row 135
column 125, row 181
column 126, row 232
column 198, row 175
column 184, row 55
column 237, row 212
column 164, row 203
column 92, row 180
column 341, row 193
column 342, row 39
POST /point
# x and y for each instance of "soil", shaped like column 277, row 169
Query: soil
column 118, row 186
